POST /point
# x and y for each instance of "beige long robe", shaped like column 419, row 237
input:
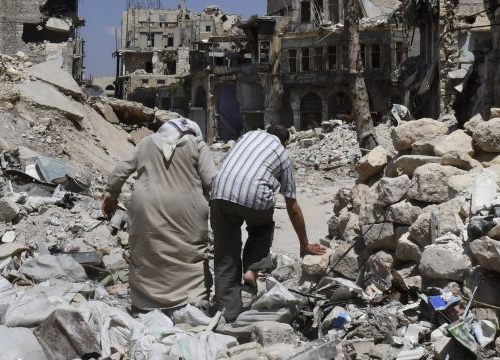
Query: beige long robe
column 167, row 222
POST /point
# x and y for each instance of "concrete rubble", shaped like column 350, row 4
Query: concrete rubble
column 411, row 270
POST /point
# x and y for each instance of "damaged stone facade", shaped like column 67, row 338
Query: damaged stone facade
column 45, row 31
column 156, row 52
column 447, row 73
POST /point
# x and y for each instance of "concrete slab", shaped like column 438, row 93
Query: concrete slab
column 46, row 95
column 53, row 74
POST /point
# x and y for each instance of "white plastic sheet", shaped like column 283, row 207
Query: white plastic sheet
column 191, row 315
column 277, row 304
column 114, row 326
column 484, row 331
column 19, row 343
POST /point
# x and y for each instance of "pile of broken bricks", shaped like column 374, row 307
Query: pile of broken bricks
column 418, row 240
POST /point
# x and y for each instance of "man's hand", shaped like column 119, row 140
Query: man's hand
column 109, row 207
column 312, row 249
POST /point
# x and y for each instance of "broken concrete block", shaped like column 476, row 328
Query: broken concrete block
column 65, row 335
column 137, row 135
column 472, row 125
column 129, row 111
column 442, row 347
column 58, row 24
column 107, row 112
column 55, row 75
column 162, row 116
column 404, row 213
column 348, row 266
column 365, row 204
column 342, row 199
column 487, row 253
column 238, row 349
column 380, row 265
column 487, row 136
column 460, row 160
column 279, row 351
column 494, row 112
column 407, row 164
column 316, row 264
column 9, row 237
column 407, row 250
column 269, row 333
column 430, row 183
column 349, row 227
column 8, row 210
column 444, row 261
column 445, row 218
column 420, row 230
column 425, row 147
column 379, row 236
column 457, row 141
column 22, row 57
column 47, row 96
column 392, row 190
column 405, row 135
column 372, row 163
column 45, row 267
column 114, row 262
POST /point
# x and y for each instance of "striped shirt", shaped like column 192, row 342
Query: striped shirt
column 253, row 170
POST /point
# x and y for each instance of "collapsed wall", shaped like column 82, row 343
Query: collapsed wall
column 44, row 30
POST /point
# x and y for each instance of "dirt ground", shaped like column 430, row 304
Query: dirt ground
column 316, row 202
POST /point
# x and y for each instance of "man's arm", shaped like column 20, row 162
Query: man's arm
column 299, row 225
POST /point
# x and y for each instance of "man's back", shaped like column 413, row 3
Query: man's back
column 253, row 170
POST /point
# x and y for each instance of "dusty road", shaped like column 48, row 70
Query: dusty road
column 317, row 205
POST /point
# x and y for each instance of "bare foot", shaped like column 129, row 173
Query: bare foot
column 250, row 278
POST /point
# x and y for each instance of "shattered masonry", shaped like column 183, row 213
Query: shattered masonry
column 44, row 30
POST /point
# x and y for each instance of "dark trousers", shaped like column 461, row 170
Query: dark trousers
column 227, row 219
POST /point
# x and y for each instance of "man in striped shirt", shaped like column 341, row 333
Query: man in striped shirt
column 243, row 191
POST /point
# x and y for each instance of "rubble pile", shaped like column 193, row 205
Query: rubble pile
column 418, row 233
column 330, row 147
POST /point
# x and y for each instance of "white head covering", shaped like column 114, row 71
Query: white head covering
column 171, row 134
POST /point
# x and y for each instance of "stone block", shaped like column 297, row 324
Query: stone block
column 487, row 136
column 430, row 183
column 405, row 135
column 457, row 141
column 487, row 253
column 379, row 236
column 65, row 335
column 444, row 261
column 407, row 164
column 8, row 210
column 392, row 190
column 403, row 213
column 269, row 333
column 316, row 264
column 473, row 123
column 407, row 250
column 372, row 163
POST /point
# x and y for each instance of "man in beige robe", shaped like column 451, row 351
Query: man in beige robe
column 168, row 215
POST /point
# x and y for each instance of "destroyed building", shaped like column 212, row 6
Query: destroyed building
column 45, row 31
column 292, row 68
column 156, row 50
column 449, row 72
